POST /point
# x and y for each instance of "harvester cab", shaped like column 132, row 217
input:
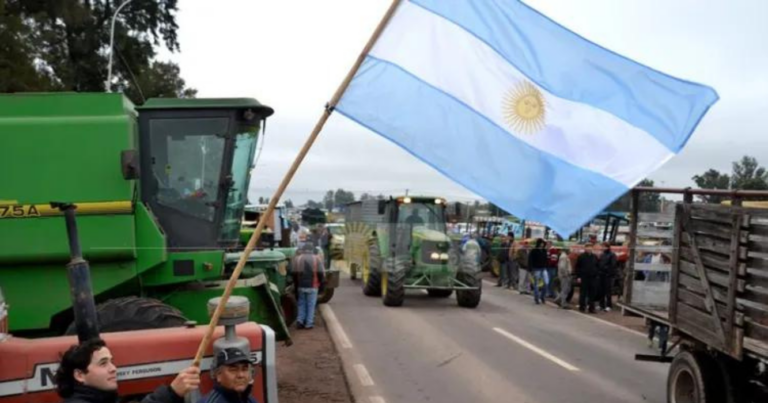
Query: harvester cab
column 160, row 191
column 402, row 243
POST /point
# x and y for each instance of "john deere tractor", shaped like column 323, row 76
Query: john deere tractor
column 401, row 244
column 159, row 192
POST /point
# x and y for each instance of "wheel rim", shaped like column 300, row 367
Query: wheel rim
column 684, row 387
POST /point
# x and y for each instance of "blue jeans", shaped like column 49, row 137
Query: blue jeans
column 307, row 302
column 538, row 274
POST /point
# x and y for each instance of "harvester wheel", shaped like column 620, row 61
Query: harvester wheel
column 134, row 313
column 372, row 270
column 469, row 298
column 439, row 293
column 325, row 296
column 393, row 283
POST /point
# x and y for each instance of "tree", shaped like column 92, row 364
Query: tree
column 63, row 45
column 261, row 200
column 328, row 200
column 749, row 175
column 288, row 203
column 712, row 179
column 649, row 202
column 366, row 196
column 342, row 198
column 380, row 197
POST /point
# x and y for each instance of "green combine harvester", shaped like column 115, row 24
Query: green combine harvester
column 159, row 190
column 401, row 243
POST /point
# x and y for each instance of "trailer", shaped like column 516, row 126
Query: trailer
column 716, row 316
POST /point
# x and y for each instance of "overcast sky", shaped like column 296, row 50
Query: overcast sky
column 293, row 54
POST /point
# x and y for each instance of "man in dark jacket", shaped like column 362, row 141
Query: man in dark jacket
column 607, row 268
column 586, row 271
column 309, row 276
column 537, row 262
column 233, row 378
column 87, row 374
column 505, row 263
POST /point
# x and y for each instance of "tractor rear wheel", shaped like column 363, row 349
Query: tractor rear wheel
column 134, row 313
column 469, row 298
column 372, row 270
column 393, row 282
column 440, row 293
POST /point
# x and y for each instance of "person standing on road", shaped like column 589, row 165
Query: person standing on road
column 537, row 262
column 565, row 275
column 309, row 276
column 586, row 271
column 607, row 267
column 505, row 280
column 552, row 259
column 521, row 258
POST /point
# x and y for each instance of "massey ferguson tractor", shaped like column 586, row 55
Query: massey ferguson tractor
column 401, row 244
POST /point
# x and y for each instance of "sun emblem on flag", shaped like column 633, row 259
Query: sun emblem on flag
column 525, row 109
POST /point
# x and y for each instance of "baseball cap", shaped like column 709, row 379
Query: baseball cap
column 230, row 356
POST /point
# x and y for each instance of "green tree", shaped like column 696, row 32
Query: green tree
column 328, row 200
column 314, row 204
column 62, row 45
column 288, row 203
column 749, row 175
column 366, row 196
column 712, row 179
column 342, row 198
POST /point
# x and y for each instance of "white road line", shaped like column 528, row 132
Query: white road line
column 335, row 326
column 362, row 374
column 536, row 350
column 377, row 399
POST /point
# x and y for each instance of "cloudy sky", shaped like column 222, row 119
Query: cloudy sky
column 293, row 54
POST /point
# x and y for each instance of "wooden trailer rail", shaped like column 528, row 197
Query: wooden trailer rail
column 719, row 287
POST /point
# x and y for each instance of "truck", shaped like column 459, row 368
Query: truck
column 716, row 311
column 401, row 244
column 159, row 190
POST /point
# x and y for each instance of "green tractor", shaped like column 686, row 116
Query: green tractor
column 159, row 190
column 401, row 243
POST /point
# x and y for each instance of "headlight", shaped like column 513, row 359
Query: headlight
column 444, row 256
column 407, row 200
column 434, row 256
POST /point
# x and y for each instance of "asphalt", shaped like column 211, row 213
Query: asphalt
column 505, row 350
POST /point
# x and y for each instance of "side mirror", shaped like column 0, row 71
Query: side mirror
column 129, row 164
column 382, row 206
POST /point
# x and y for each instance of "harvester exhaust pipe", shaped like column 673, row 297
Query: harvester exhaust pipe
column 79, row 276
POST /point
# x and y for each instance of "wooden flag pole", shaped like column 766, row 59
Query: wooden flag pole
column 287, row 180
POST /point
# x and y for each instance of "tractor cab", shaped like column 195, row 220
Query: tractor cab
column 196, row 157
column 420, row 213
column 419, row 229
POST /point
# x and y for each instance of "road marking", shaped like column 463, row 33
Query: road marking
column 377, row 399
column 536, row 350
column 362, row 374
column 335, row 326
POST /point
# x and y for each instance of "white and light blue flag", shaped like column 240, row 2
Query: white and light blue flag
column 520, row 110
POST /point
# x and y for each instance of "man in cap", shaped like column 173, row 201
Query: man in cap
column 232, row 378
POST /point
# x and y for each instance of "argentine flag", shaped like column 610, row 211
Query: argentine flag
column 520, row 110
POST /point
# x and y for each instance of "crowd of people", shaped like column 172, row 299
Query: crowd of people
column 532, row 269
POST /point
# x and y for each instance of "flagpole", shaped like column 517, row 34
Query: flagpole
column 287, row 180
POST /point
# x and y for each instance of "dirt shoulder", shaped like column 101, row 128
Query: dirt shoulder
column 310, row 370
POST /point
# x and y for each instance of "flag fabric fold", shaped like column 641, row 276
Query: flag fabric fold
column 520, row 110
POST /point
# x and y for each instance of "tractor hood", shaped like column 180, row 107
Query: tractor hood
column 425, row 234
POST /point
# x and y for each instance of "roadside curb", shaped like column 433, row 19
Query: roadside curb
column 342, row 348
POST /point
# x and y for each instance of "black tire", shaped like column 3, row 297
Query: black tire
column 290, row 306
column 440, row 293
column 469, row 298
column 372, row 287
column 134, row 313
column 395, row 293
column 694, row 378
column 325, row 296
column 353, row 271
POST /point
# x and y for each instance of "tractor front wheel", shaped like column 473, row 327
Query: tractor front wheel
column 134, row 313
column 372, row 270
column 469, row 298
column 393, row 283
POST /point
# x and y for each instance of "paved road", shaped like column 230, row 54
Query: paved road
column 506, row 350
